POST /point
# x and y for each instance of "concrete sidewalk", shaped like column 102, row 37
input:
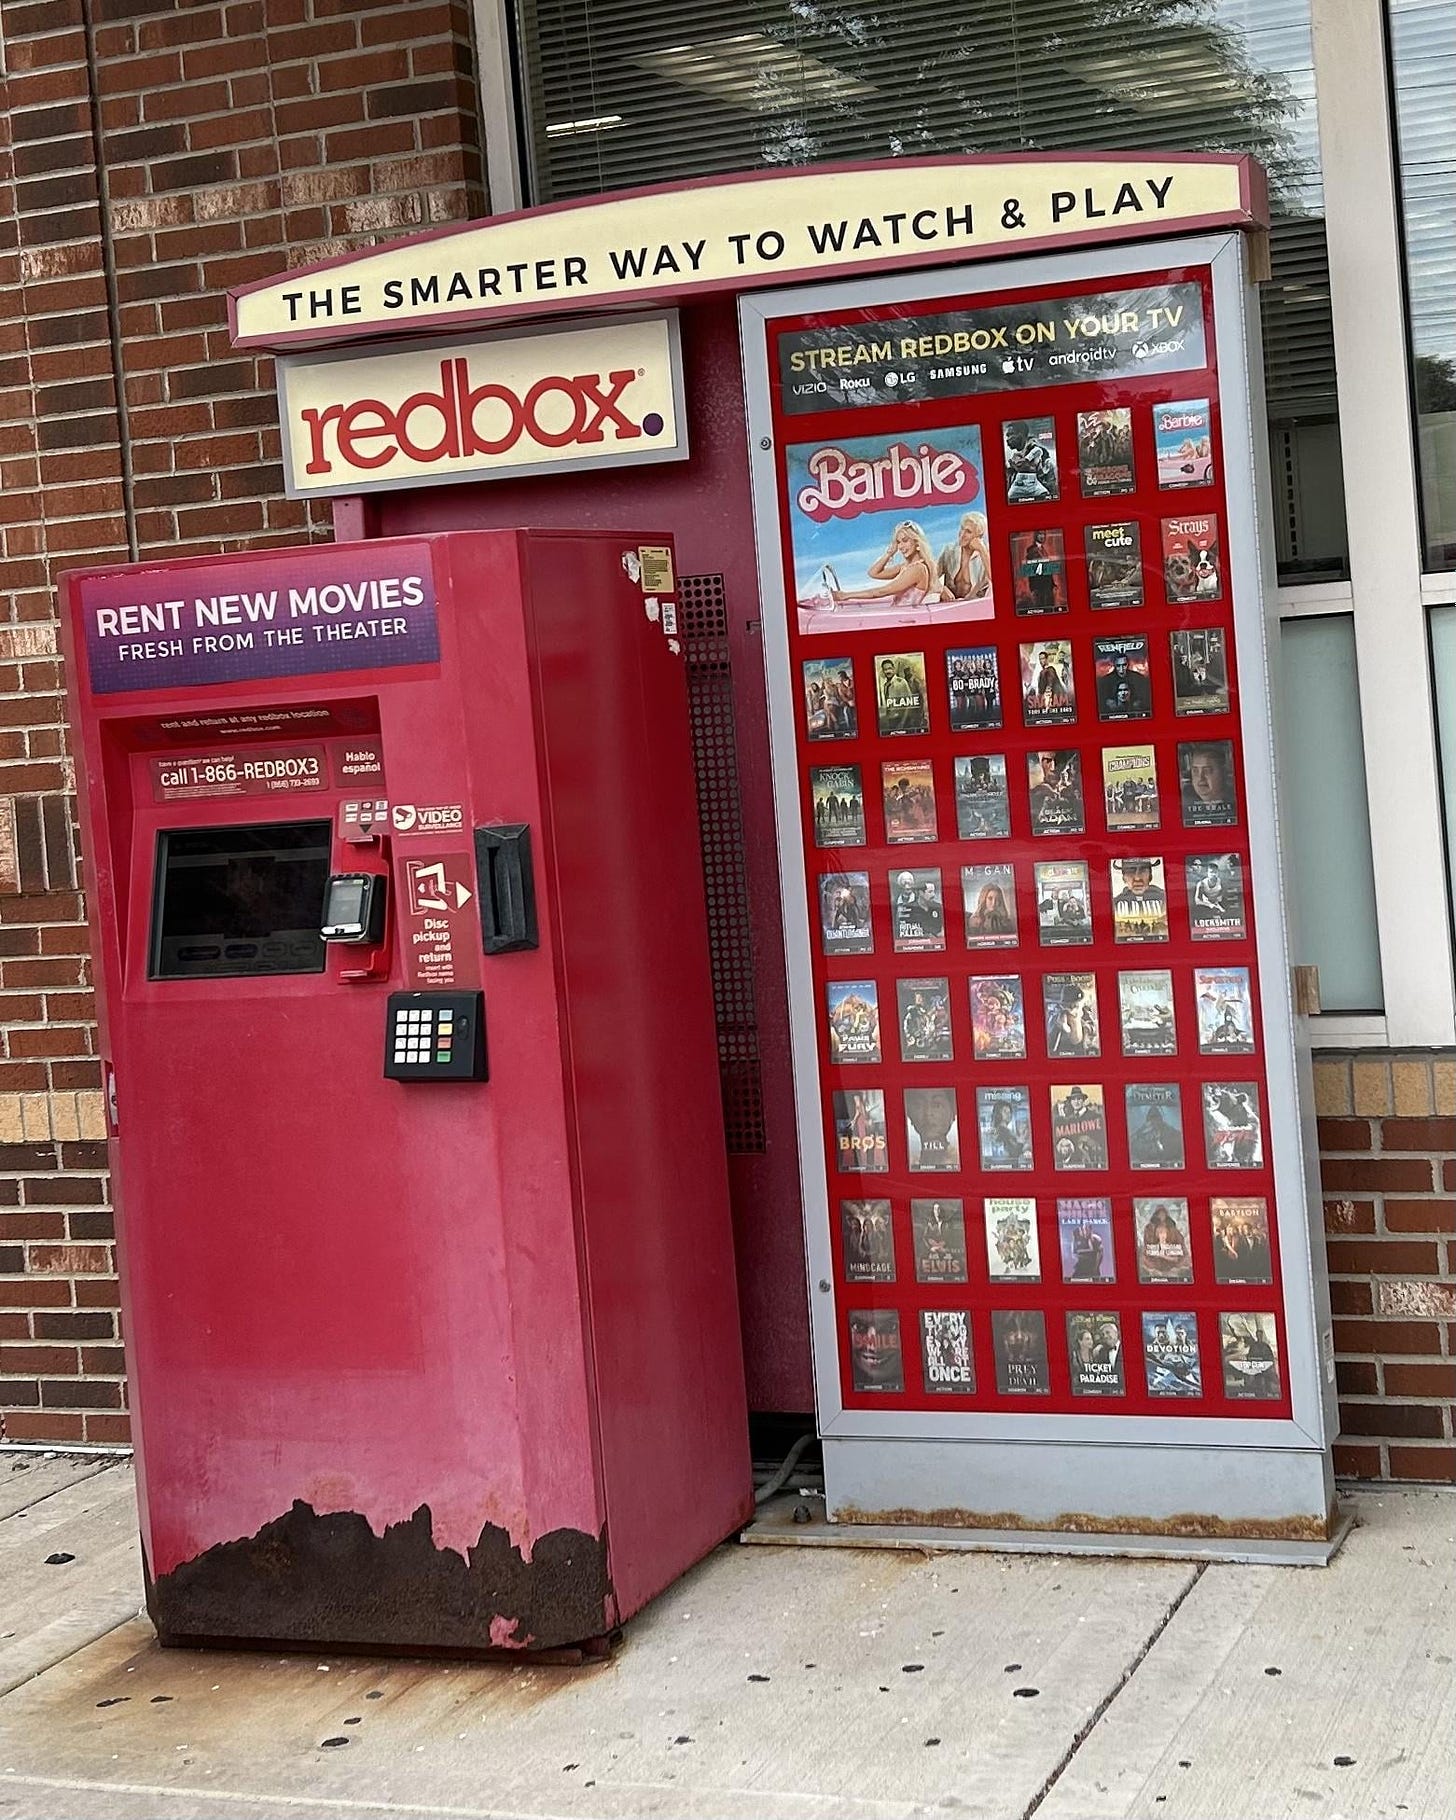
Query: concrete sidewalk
column 770, row 1684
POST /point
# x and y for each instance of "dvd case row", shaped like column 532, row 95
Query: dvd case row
column 1112, row 556
column 1132, row 797
column 1122, row 685
column 1162, row 1240
column 1182, row 440
column 1230, row 1111
column 1214, row 884
column 1071, row 1016
column 1096, row 1362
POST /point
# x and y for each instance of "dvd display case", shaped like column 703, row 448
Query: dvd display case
column 1132, row 1155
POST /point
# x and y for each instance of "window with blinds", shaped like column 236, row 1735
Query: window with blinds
column 619, row 93
column 1423, row 63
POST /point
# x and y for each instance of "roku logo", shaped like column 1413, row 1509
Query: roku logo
column 460, row 420
column 842, row 486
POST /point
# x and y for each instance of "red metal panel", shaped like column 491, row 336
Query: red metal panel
column 705, row 503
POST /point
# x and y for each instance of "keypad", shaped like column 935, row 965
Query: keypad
column 431, row 1036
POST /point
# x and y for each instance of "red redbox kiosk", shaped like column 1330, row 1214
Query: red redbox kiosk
column 421, row 1186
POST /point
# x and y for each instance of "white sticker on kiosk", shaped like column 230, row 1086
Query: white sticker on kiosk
column 669, row 618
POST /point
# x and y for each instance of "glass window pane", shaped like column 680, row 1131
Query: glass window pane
column 619, row 94
column 1443, row 670
column 1326, row 817
column 1423, row 59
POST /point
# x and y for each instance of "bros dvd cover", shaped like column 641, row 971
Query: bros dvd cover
column 989, row 896
column 875, row 1361
column 902, row 701
column 1114, row 555
column 1019, row 1342
column 1013, row 1251
column 1094, row 1353
column 1225, row 1010
column 1054, row 792
column 909, row 793
column 1122, row 670
column 1183, row 437
column 1084, row 1231
column 1170, row 1355
column 1139, row 900
column 1145, row 1008
column 1063, row 902
column 853, row 1016
column 939, row 1231
column 1079, row 1126
column 829, row 704
column 1192, row 562
column 1250, row 1347
column 868, row 1235
column 1215, row 897
column 998, row 1018
column 932, row 1129
column 1038, row 572
column 860, row 1143
column 924, row 1006
column 844, row 913
column 1048, row 684
column 1154, row 1124
column 973, row 688
column 1240, row 1229
column 983, row 804
column 945, row 1344
column 1164, row 1240
column 1003, row 1121
column 1069, row 1009
column 838, row 799
column 1130, row 788
column 1104, row 452
column 917, row 910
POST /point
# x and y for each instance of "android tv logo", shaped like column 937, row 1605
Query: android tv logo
column 432, row 890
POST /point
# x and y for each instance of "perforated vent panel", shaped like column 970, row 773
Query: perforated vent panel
column 703, row 618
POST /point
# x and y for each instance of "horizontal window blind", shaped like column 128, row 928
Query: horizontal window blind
column 1423, row 60
column 620, row 93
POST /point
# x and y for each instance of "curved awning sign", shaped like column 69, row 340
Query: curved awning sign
column 737, row 233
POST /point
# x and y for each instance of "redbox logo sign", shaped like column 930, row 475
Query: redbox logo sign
column 589, row 396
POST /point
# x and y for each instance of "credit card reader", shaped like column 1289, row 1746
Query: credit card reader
column 435, row 1036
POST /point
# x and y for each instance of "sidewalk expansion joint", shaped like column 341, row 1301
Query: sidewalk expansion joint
column 1059, row 1769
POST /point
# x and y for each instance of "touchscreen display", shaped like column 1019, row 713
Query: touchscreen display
column 240, row 900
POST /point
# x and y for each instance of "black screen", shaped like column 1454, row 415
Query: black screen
column 240, row 900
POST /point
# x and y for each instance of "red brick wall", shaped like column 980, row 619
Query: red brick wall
column 1388, row 1159
column 237, row 139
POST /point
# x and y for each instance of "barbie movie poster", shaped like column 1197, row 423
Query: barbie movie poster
column 890, row 531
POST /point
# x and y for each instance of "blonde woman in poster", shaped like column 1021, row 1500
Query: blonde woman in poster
column 906, row 573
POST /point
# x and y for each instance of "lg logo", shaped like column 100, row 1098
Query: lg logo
column 459, row 420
